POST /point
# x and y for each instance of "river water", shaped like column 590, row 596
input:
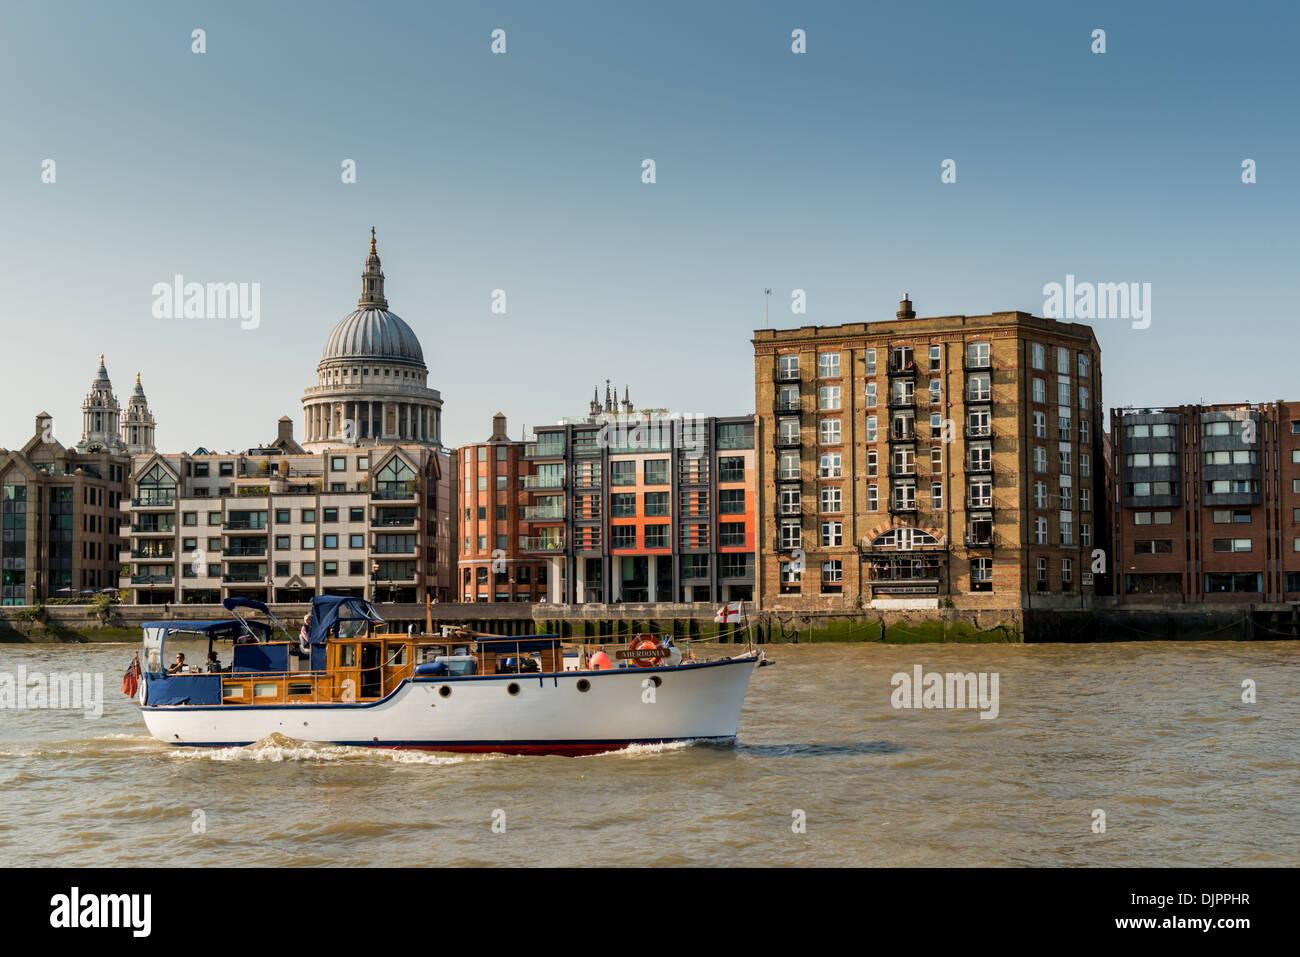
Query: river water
column 826, row 772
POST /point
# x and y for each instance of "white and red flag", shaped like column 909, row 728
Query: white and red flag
column 729, row 613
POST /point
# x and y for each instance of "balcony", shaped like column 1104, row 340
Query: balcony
column 979, row 468
column 233, row 550
column 902, row 435
column 155, row 500
column 152, row 579
column 390, row 521
column 902, row 367
column 782, row 407
column 541, row 544
column 790, row 477
column 245, row 526
column 978, row 431
column 978, row 396
column 544, row 450
column 153, row 529
column 236, row 579
column 791, row 376
column 902, row 506
column 541, row 481
column 544, row 513
column 149, row 554
column 982, row 539
column 902, row 401
column 902, row 471
column 393, row 494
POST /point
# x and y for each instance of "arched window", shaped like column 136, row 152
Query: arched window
column 904, row 539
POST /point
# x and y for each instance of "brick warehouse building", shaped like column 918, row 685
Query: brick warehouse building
column 62, row 518
column 1207, row 503
column 595, row 510
column 915, row 462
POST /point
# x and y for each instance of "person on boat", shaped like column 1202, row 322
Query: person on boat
column 214, row 664
column 178, row 666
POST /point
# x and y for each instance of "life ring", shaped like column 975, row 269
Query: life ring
column 643, row 643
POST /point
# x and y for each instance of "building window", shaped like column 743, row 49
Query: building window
column 869, row 397
column 791, row 535
column 1232, row 544
column 977, row 355
column 1067, row 573
column 830, row 500
column 791, row 501
column 622, row 473
column 936, row 496
column 830, row 431
column 1040, row 425
column 731, row 501
column 936, row 391
column 622, row 505
column 828, row 365
column 872, row 498
column 789, row 465
column 1040, row 459
column 828, row 397
column 308, row 542
column 656, row 536
column 832, row 534
column 871, row 463
column 981, row 574
column 623, row 536
column 830, row 464
column 1040, row 391
column 869, row 432
column 788, row 366
column 869, row 357
column 656, row 472
column 731, row 468
column 1040, row 531
column 1039, row 356
column 936, row 358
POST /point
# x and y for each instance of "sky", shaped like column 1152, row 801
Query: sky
column 522, row 171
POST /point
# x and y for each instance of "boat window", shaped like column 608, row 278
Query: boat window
column 300, row 688
column 348, row 656
column 265, row 689
column 426, row 653
column 396, row 654
column 232, row 691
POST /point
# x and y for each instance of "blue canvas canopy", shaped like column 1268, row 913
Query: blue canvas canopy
column 230, row 604
column 339, row 612
column 156, row 632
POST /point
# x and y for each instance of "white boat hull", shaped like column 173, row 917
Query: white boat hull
column 548, row 714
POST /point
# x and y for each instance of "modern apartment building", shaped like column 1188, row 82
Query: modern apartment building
column 277, row 526
column 61, row 515
column 1207, row 503
column 616, row 506
column 920, row 461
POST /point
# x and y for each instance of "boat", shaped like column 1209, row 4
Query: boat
column 348, row 679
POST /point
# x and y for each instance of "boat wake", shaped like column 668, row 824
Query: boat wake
column 278, row 748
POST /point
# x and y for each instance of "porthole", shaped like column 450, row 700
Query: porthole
column 656, row 680
column 584, row 685
column 512, row 688
column 445, row 691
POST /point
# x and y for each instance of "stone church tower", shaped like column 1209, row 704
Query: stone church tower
column 138, row 423
column 101, row 416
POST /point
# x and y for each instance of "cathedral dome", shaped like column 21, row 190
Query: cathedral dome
column 373, row 333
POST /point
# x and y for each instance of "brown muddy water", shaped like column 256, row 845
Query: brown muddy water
column 1153, row 734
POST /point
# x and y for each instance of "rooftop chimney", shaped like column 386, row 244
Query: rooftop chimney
column 905, row 310
column 499, row 428
column 284, row 432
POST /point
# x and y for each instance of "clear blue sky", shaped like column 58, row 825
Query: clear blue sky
column 523, row 172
